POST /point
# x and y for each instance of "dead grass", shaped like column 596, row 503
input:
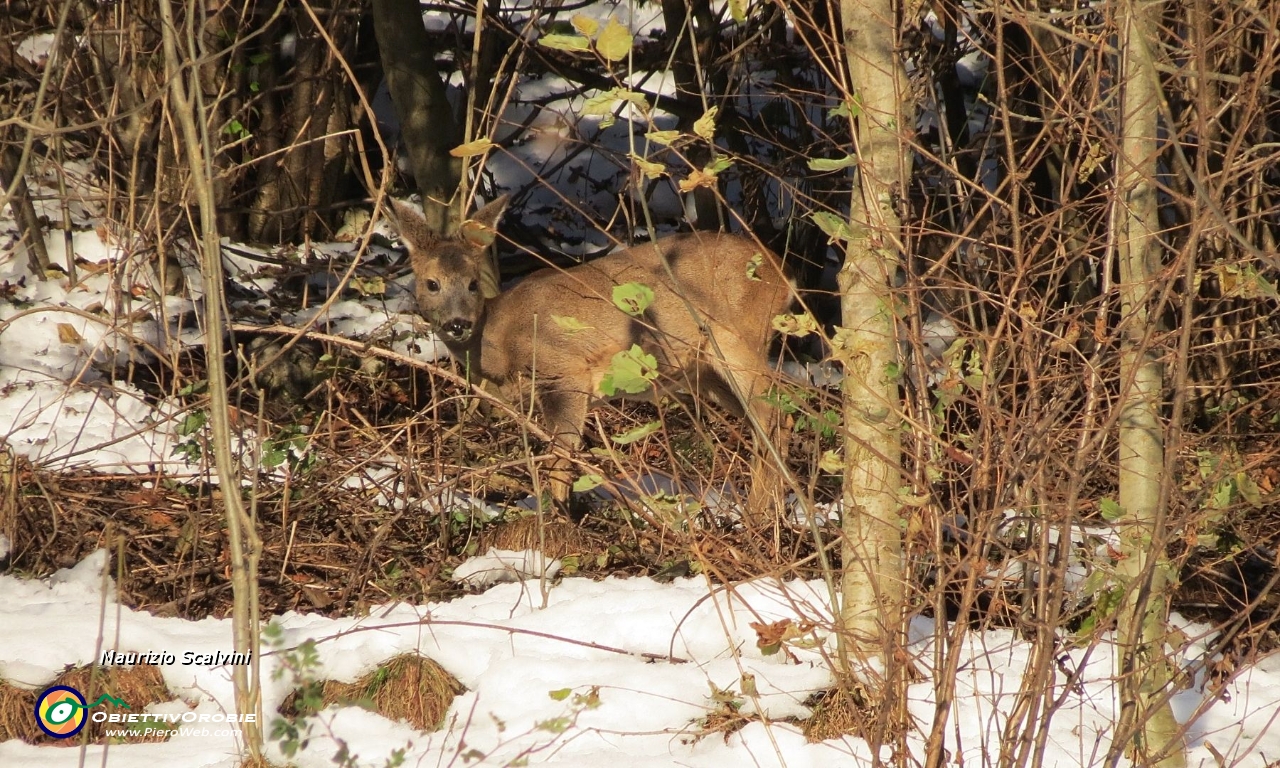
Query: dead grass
column 408, row 688
column 138, row 686
column 333, row 549
column 836, row 713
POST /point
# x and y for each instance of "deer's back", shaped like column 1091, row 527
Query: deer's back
column 566, row 320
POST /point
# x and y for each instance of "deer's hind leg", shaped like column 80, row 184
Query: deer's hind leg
column 564, row 411
column 745, row 368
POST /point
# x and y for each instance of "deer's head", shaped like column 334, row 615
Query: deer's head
column 454, row 276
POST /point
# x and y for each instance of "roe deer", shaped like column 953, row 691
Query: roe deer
column 558, row 331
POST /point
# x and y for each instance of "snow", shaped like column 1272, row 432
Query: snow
column 653, row 654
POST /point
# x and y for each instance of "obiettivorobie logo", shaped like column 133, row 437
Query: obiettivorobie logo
column 61, row 711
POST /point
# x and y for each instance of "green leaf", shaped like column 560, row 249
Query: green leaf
column 715, row 167
column 1249, row 490
column 630, row 372
column 570, row 325
column 565, row 42
column 586, row 483
column 614, row 43
column 193, row 422
column 632, row 298
column 585, row 24
column 1111, row 511
column 198, row 387
column 665, row 138
column 738, row 10
column 753, row 266
column 833, row 226
column 639, row 433
column 705, row 126
column 832, row 164
column 560, row 694
column 554, row 725
column 849, row 109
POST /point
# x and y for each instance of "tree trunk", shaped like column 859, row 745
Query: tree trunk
column 873, row 581
column 426, row 120
column 1147, row 721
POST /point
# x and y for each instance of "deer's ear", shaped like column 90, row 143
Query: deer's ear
column 490, row 285
column 412, row 224
column 482, row 228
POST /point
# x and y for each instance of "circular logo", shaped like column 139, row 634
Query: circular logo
column 61, row 711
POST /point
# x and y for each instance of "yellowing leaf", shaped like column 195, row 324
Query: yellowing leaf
column 697, row 179
column 795, row 325
column 632, row 298
column 705, row 126
column 665, row 138
column 831, row 462
column 565, row 42
column 67, row 334
column 585, row 24
column 369, row 286
column 753, row 266
column 472, row 148
column 614, row 43
column 738, row 10
column 650, row 169
column 570, row 325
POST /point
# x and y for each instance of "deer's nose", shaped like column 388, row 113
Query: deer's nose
column 457, row 329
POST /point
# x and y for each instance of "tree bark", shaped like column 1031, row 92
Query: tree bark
column 1146, row 720
column 426, row 120
column 873, row 583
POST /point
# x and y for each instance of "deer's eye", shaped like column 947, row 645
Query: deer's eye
column 474, row 286
column 433, row 286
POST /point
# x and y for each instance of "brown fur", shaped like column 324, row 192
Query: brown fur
column 709, row 325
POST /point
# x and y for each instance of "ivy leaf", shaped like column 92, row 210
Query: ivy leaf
column 630, row 372
column 632, row 298
column 614, row 43
column 565, row 42
column 639, row 433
